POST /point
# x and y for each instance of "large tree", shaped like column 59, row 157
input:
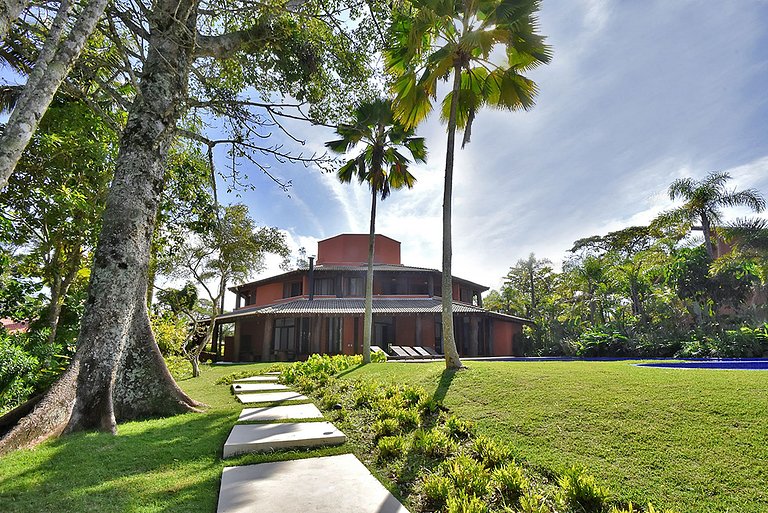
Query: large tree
column 459, row 40
column 380, row 164
column 118, row 372
column 704, row 202
column 231, row 251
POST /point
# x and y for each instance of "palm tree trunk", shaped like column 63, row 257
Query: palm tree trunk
column 452, row 360
column 707, row 236
column 368, row 318
column 9, row 11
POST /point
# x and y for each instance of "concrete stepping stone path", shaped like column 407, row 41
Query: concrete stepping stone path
column 257, row 379
column 248, row 438
column 330, row 484
column 239, row 388
column 288, row 411
column 270, row 397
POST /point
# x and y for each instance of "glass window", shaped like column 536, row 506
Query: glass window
column 356, row 287
column 334, row 335
column 324, row 287
column 285, row 334
column 292, row 289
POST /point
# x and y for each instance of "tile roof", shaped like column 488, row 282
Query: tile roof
column 356, row 306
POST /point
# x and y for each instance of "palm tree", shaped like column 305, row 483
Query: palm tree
column 382, row 166
column 704, row 200
column 458, row 37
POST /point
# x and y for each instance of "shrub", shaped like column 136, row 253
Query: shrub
column 429, row 405
column 432, row 442
column 603, row 341
column 366, row 394
column 436, row 488
column 385, row 427
column 458, row 428
column 489, row 452
column 17, row 369
column 532, row 502
column 510, row 482
column 378, row 357
column 580, row 490
column 464, row 503
column 392, row 446
column 319, row 367
column 631, row 509
column 413, row 396
column 468, row 475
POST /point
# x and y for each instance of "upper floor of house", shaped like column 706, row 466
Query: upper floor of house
column 340, row 271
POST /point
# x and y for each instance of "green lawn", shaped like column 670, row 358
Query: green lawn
column 693, row 440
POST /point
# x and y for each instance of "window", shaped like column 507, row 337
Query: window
column 325, row 287
column 356, row 287
column 285, row 334
column 438, row 334
column 417, row 287
column 292, row 289
column 334, row 335
column 465, row 296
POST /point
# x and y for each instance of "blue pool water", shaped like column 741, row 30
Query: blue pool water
column 728, row 364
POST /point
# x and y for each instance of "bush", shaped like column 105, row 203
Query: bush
column 510, row 482
column 319, row 367
column 579, row 490
column 432, row 442
column 464, row 503
column 468, row 475
column 378, row 357
column 392, row 447
column 744, row 342
column 385, row 427
column 490, row 453
column 436, row 488
column 17, row 372
column 458, row 428
column 603, row 341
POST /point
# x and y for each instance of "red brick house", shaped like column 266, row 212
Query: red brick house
column 320, row 309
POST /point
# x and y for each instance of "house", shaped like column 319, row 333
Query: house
column 320, row 309
column 12, row 326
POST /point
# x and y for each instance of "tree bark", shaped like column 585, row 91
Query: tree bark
column 368, row 317
column 705, row 227
column 10, row 10
column 50, row 71
column 144, row 387
column 122, row 255
column 452, row 360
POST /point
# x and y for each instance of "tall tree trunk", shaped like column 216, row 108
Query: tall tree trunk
column 452, row 360
column 59, row 290
column 705, row 227
column 10, row 10
column 368, row 318
column 116, row 373
column 50, row 71
column 122, row 255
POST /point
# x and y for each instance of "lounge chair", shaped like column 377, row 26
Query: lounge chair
column 422, row 352
column 433, row 352
column 400, row 353
column 411, row 352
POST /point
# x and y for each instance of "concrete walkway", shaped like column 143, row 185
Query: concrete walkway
column 326, row 484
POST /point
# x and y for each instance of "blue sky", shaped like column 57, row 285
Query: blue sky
column 637, row 95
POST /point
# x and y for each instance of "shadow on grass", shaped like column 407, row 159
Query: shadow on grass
column 446, row 378
column 350, row 370
column 171, row 464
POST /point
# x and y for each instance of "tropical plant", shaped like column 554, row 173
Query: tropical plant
column 441, row 39
column 704, row 201
column 381, row 165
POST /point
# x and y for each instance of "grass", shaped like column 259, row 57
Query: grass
column 692, row 440
column 168, row 465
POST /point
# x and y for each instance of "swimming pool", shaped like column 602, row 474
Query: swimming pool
column 724, row 364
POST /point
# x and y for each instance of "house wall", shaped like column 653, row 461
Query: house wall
column 352, row 248
column 503, row 335
column 268, row 293
column 405, row 330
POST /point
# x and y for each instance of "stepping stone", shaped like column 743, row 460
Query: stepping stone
column 331, row 484
column 270, row 397
column 289, row 411
column 247, row 438
column 239, row 388
column 257, row 379
column 273, row 373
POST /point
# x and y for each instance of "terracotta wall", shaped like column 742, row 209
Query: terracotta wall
column 352, row 248
column 405, row 331
column 268, row 293
column 348, row 335
column 503, row 332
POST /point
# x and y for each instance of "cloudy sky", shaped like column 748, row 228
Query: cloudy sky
column 638, row 94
